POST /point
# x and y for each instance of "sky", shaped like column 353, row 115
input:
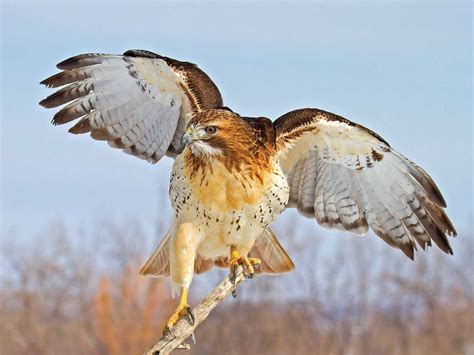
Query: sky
column 401, row 69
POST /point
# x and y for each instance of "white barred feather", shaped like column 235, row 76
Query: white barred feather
column 137, row 102
column 349, row 178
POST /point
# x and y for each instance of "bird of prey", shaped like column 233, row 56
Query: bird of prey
column 234, row 175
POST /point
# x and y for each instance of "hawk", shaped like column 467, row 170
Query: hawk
column 234, row 175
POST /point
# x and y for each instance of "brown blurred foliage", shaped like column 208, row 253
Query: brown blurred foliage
column 76, row 293
column 128, row 312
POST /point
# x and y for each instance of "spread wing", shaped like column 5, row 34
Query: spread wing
column 140, row 101
column 349, row 178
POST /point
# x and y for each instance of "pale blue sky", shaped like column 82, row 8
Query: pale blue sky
column 402, row 69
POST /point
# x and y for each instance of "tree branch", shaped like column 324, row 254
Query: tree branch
column 183, row 329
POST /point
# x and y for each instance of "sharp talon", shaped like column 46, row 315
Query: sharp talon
column 234, row 274
column 167, row 330
column 247, row 267
column 248, row 275
column 191, row 315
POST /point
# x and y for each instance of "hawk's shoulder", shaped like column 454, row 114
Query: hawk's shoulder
column 263, row 130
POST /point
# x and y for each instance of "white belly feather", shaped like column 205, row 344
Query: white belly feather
column 218, row 218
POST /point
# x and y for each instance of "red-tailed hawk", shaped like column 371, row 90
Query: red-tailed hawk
column 234, row 175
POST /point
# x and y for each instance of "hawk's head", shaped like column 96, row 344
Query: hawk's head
column 224, row 134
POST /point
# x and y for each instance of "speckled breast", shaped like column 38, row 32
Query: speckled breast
column 227, row 202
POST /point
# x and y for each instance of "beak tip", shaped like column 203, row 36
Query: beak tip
column 185, row 139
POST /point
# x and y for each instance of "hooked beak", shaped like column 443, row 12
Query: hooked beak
column 187, row 136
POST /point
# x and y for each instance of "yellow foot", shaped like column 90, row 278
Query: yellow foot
column 247, row 263
column 181, row 311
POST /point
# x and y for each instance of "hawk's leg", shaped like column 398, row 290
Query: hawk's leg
column 182, row 310
column 182, row 255
column 237, row 260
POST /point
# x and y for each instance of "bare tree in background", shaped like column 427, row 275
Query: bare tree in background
column 79, row 293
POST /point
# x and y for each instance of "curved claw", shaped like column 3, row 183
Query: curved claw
column 190, row 313
column 250, row 263
column 233, row 272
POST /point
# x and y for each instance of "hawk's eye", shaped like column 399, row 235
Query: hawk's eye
column 211, row 129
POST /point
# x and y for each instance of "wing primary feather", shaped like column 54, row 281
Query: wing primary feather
column 83, row 60
column 75, row 109
column 431, row 228
column 68, row 93
column 67, row 77
column 83, row 125
column 438, row 216
column 423, row 179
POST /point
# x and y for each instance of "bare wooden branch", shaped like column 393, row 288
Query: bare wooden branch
column 183, row 329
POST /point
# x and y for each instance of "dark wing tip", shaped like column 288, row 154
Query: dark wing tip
column 44, row 103
column 50, row 102
column 49, row 82
column 44, row 82
column 55, row 122
column 425, row 180
column 64, row 116
column 450, row 230
column 68, row 63
column 53, row 100
column 408, row 249
column 444, row 245
column 439, row 199
column 83, row 126
column 82, row 60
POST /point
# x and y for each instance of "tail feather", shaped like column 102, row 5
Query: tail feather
column 158, row 264
column 274, row 258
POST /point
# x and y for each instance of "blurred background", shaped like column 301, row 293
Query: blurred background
column 78, row 218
